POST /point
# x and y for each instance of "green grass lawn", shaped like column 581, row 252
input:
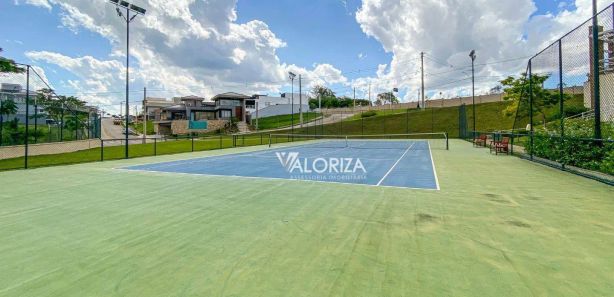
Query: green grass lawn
column 139, row 127
column 118, row 152
column 281, row 121
column 499, row 226
column 489, row 117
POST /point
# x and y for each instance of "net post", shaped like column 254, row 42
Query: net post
column 447, row 141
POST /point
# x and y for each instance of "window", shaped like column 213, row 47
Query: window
column 226, row 114
column 225, row 102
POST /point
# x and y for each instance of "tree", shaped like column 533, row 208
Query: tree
column 56, row 108
column 322, row 92
column 496, row 90
column 7, row 107
column 7, row 65
column 387, row 97
column 517, row 90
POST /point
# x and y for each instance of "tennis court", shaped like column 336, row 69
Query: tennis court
column 498, row 226
column 391, row 161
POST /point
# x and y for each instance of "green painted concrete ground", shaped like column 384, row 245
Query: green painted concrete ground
column 500, row 226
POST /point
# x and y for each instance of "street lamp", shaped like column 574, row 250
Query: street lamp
column 292, row 76
column 473, row 57
column 135, row 10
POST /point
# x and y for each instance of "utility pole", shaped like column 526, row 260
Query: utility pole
column 369, row 95
column 145, row 115
column 300, row 100
column 422, row 70
column 292, row 76
column 473, row 57
column 257, row 116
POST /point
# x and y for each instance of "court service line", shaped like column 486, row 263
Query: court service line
column 433, row 164
column 395, row 164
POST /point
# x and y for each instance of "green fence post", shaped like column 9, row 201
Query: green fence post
column 561, row 97
column 221, row 140
column 596, row 71
column 192, row 136
column 531, row 109
column 155, row 146
column 101, row 150
column 27, row 135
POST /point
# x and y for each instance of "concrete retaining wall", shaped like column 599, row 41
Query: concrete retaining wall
column 281, row 109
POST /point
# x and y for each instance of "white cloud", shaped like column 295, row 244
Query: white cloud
column 40, row 3
column 180, row 47
column 238, row 55
column 448, row 29
column 197, row 47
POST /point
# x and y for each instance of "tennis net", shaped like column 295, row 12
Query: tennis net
column 384, row 141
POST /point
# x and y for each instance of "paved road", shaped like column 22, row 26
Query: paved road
column 111, row 131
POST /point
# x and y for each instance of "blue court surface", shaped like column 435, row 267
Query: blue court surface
column 402, row 164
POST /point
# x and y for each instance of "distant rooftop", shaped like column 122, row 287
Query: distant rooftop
column 231, row 95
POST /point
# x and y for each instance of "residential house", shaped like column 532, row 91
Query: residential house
column 193, row 114
column 17, row 93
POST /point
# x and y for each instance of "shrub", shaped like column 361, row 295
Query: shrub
column 577, row 148
column 368, row 114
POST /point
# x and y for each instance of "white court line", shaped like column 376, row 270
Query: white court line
column 433, row 164
column 267, row 178
column 395, row 164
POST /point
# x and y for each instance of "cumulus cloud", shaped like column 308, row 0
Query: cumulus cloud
column 40, row 3
column 447, row 30
column 198, row 47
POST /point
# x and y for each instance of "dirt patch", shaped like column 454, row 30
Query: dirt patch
column 425, row 218
column 518, row 224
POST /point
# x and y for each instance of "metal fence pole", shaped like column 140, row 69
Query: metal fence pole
column 155, row 146
column 27, row 135
column 561, row 96
column 101, row 150
column 596, row 88
column 192, row 136
column 531, row 108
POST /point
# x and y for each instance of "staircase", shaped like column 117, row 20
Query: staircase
column 243, row 127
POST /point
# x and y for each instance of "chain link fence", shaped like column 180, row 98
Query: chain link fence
column 34, row 120
column 565, row 106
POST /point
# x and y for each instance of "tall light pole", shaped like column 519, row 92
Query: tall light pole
column 292, row 76
column 473, row 57
column 135, row 10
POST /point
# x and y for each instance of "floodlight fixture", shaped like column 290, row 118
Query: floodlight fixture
column 137, row 9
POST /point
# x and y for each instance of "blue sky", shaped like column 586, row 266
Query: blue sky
column 324, row 39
